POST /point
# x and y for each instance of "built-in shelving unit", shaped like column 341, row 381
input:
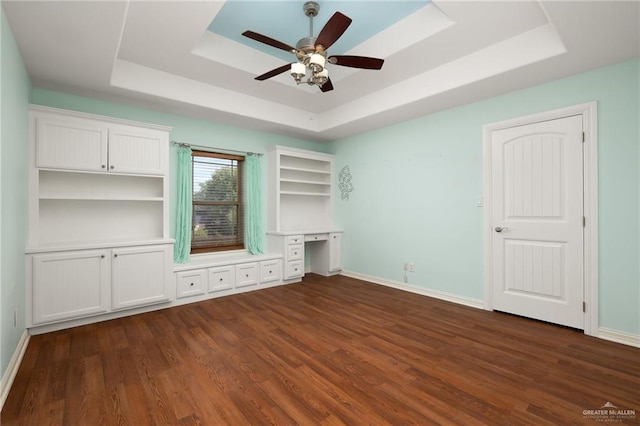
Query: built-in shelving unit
column 98, row 239
column 300, row 212
column 300, row 189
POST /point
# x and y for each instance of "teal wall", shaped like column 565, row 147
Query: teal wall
column 417, row 185
column 14, row 96
column 189, row 130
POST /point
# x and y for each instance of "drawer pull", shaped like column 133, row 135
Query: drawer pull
column 191, row 284
column 221, row 279
column 271, row 272
column 102, row 256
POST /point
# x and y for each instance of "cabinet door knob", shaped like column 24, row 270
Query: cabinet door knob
column 191, row 284
column 271, row 272
column 221, row 279
column 115, row 255
column 112, row 167
column 103, row 166
column 102, row 256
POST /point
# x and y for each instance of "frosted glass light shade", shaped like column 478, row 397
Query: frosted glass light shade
column 322, row 77
column 316, row 62
column 298, row 70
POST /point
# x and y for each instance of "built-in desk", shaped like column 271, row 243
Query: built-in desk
column 323, row 249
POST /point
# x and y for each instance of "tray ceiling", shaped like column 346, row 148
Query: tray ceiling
column 189, row 57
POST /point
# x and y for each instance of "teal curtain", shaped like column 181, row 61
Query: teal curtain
column 253, row 233
column 182, row 247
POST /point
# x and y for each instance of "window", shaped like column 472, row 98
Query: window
column 218, row 212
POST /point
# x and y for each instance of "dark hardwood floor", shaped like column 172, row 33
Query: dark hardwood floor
column 327, row 351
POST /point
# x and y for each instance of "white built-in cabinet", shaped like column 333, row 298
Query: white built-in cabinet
column 140, row 276
column 70, row 284
column 300, row 212
column 98, row 236
column 224, row 275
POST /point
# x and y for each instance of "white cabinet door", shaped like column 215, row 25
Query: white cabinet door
column 191, row 283
column 246, row 274
column 72, row 144
column 294, row 269
column 138, row 151
column 70, row 285
column 335, row 251
column 270, row 270
column 140, row 276
column 221, row 278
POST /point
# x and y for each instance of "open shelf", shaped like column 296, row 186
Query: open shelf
column 63, row 196
column 301, row 194
column 95, row 186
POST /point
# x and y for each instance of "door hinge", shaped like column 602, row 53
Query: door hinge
column 582, row 136
column 584, row 222
column 584, row 306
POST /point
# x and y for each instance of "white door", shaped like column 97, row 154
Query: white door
column 70, row 285
column 537, row 215
column 140, row 276
column 137, row 151
column 72, row 144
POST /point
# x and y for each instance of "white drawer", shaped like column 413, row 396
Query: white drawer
column 316, row 237
column 294, row 239
column 221, row 278
column 294, row 269
column 190, row 283
column 294, row 252
column 246, row 274
column 270, row 270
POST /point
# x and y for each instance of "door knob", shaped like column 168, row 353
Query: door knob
column 501, row 228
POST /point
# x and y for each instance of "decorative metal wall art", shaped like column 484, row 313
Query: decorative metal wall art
column 344, row 182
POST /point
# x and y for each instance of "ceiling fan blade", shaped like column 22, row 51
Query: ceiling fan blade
column 274, row 72
column 332, row 30
column 268, row 40
column 327, row 86
column 356, row 61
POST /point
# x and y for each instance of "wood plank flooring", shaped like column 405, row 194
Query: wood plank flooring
column 329, row 351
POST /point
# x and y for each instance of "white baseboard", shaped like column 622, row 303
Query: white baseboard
column 12, row 368
column 467, row 301
column 619, row 337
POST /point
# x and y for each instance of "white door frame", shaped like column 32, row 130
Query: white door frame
column 590, row 193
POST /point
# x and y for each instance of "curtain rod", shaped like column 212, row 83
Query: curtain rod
column 222, row 150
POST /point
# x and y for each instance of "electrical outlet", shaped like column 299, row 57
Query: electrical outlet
column 412, row 267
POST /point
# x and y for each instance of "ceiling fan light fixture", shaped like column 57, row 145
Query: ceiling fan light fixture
column 320, row 78
column 311, row 52
column 316, row 63
column 298, row 71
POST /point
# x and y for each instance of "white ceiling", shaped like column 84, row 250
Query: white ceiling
column 447, row 53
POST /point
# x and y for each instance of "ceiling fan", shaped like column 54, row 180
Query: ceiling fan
column 311, row 51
